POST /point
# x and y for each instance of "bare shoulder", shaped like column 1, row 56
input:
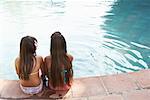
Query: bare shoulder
column 70, row 57
column 17, row 61
column 47, row 58
column 17, row 64
column 47, row 61
column 39, row 57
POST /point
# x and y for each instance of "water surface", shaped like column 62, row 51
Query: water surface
column 104, row 36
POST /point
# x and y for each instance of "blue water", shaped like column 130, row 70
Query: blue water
column 104, row 36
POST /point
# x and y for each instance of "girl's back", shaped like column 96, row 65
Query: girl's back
column 28, row 66
column 48, row 62
column 34, row 79
column 59, row 64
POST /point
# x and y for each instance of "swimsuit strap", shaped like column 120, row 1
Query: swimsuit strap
column 65, row 78
column 34, row 73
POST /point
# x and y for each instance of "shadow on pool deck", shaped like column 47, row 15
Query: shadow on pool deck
column 128, row 86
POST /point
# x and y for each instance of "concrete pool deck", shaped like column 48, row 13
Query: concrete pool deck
column 126, row 86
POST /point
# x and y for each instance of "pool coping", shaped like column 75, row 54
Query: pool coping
column 125, row 86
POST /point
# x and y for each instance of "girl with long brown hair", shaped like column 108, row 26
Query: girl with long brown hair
column 28, row 65
column 59, row 64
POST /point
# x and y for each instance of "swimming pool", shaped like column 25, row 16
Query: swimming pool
column 104, row 36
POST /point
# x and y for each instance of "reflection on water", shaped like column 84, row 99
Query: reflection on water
column 128, row 21
column 105, row 37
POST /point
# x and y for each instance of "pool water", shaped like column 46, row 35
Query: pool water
column 104, row 36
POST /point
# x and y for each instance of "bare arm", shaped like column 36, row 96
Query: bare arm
column 70, row 57
column 42, row 65
column 47, row 64
column 16, row 65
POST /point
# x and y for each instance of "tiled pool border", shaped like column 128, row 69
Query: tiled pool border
column 126, row 86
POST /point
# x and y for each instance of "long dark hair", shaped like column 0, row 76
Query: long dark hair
column 60, row 61
column 27, row 56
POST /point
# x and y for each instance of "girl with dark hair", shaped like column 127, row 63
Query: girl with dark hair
column 59, row 64
column 28, row 65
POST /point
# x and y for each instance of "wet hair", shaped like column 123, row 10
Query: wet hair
column 27, row 56
column 60, row 61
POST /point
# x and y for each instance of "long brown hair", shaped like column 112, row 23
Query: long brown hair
column 60, row 61
column 27, row 56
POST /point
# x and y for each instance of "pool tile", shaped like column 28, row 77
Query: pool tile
column 11, row 89
column 142, row 77
column 111, row 87
column 137, row 95
column 2, row 82
column 119, row 83
column 87, row 87
column 106, row 97
column 80, row 98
